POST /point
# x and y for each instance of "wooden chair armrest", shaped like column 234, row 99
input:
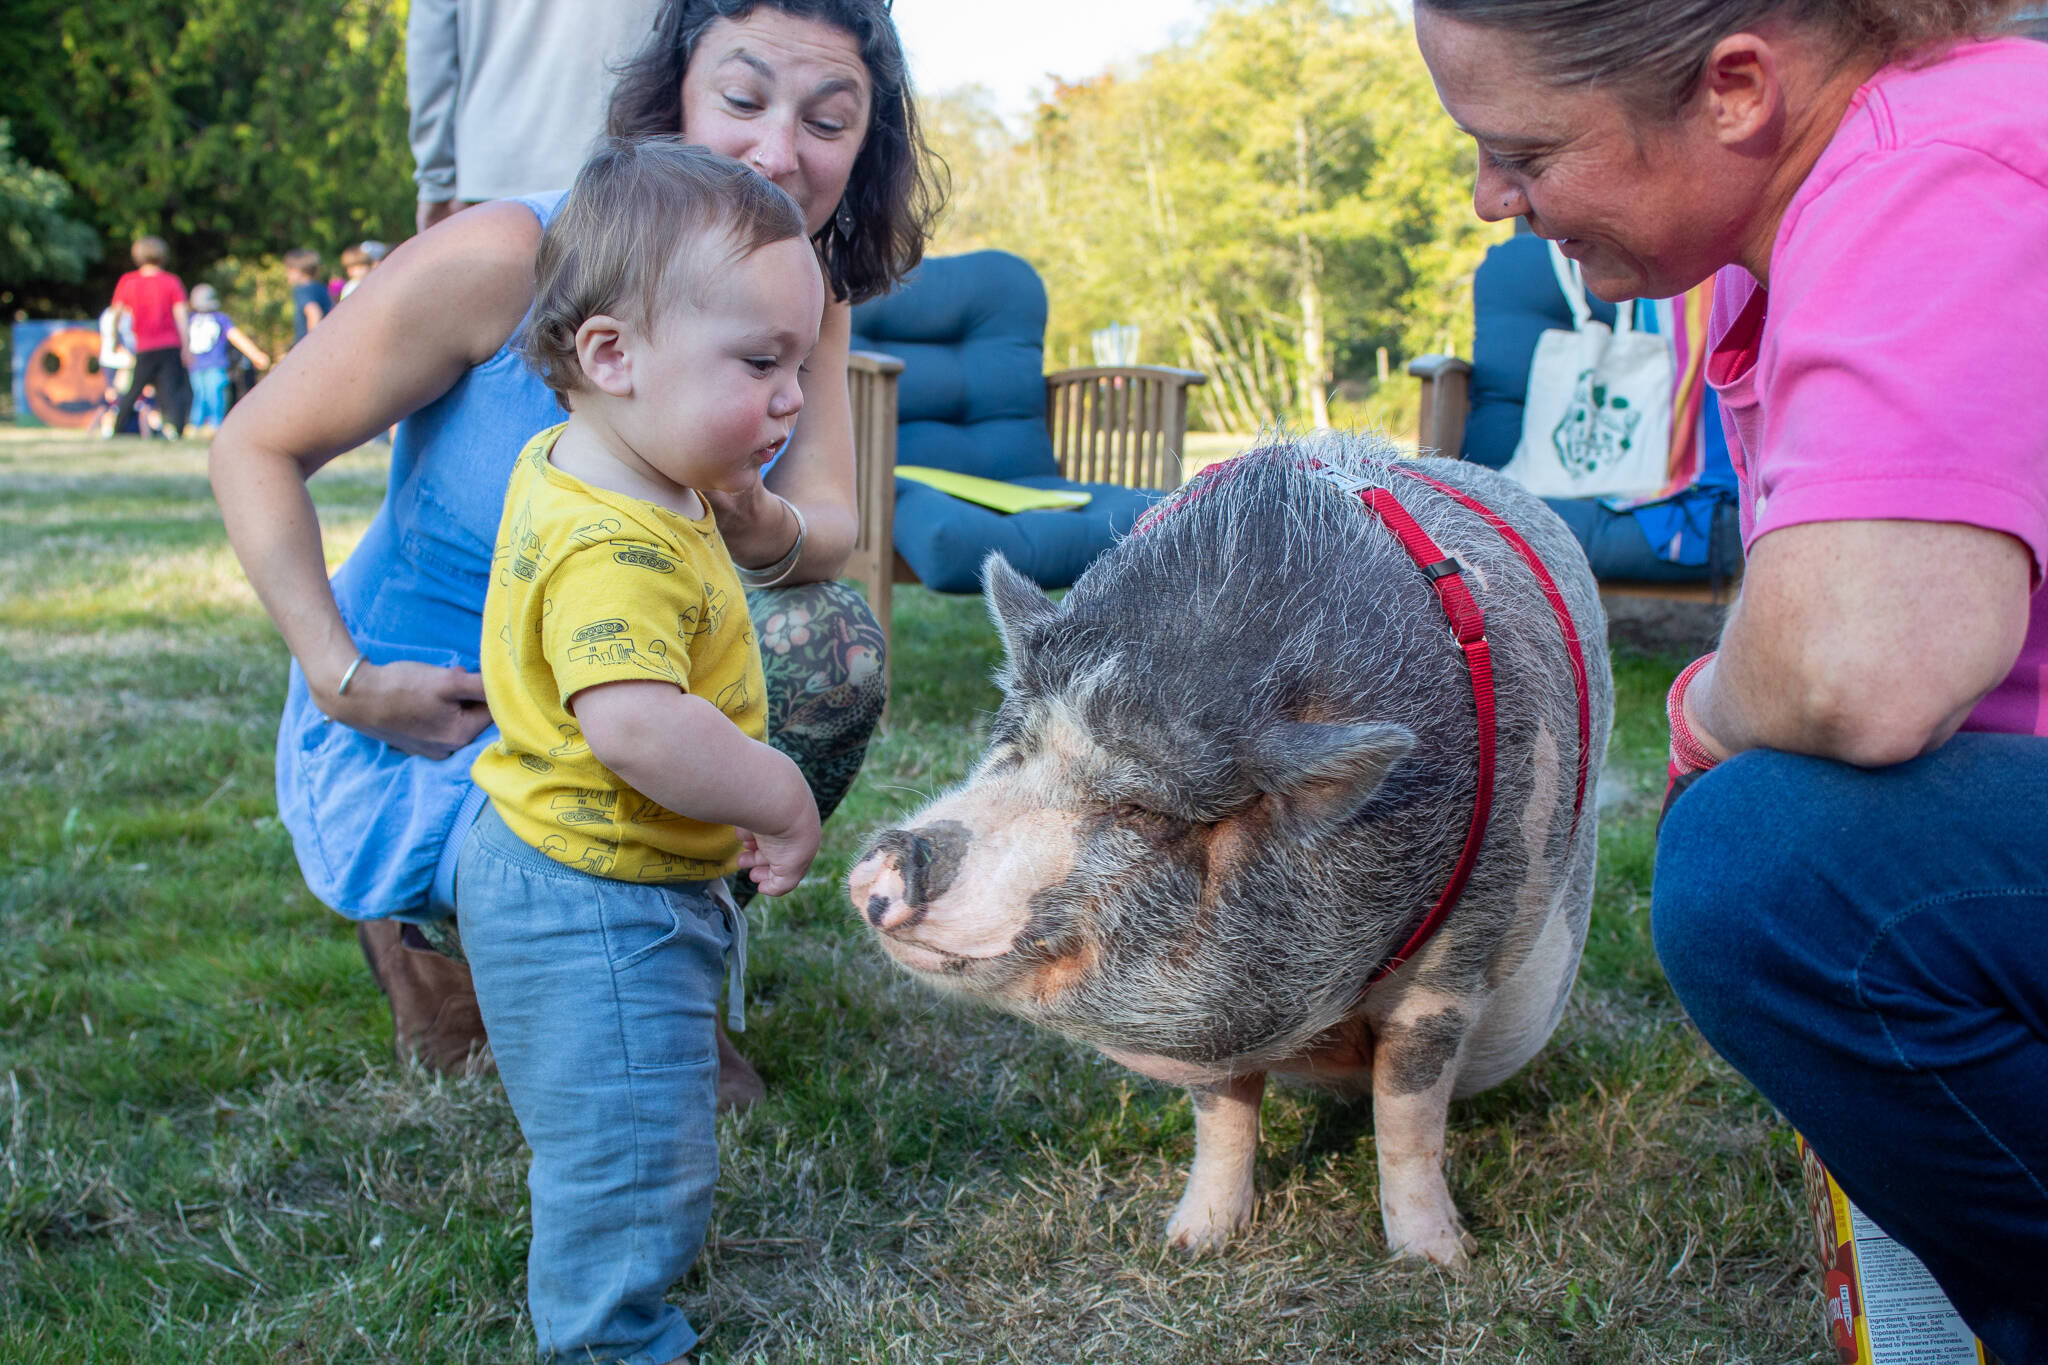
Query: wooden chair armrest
column 1446, row 402
column 871, row 390
column 1717, row 596
column 1431, row 366
column 1121, row 424
column 872, row 362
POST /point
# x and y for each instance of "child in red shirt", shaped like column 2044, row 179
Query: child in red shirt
column 154, row 300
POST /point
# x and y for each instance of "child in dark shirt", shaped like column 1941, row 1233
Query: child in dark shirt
column 310, row 300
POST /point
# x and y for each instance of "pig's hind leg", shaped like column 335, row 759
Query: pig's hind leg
column 1219, row 1197
column 1414, row 1069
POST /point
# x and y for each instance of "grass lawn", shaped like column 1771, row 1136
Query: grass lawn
column 207, row 1153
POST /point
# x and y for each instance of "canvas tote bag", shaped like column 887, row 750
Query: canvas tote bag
column 1597, row 419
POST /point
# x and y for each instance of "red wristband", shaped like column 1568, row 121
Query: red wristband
column 1686, row 748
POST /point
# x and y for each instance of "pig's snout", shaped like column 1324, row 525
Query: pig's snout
column 881, row 888
column 904, row 872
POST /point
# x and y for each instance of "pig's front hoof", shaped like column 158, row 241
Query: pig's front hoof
column 1451, row 1248
column 1206, row 1225
column 1421, row 1220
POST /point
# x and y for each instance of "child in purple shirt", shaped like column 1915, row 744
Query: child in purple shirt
column 209, row 335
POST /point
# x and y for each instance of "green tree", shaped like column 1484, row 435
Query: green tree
column 38, row 238
column 1270, row 202
column 229, row 127
column 992, row 199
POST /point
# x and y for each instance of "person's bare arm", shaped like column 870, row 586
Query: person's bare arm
column 682, row 752
column 240, row 340
column 1864, row 641
column 815, row 473
column 439, row 305
column 181, row 314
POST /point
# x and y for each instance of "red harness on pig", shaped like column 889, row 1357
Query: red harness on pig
column 1468, row 628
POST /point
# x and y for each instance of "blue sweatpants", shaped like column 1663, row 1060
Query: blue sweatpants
column 1869, row 947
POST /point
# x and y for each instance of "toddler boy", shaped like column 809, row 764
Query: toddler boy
column 677, row 300
column 117, row 364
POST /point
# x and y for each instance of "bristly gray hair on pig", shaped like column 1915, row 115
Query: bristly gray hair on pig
column 1265, row 597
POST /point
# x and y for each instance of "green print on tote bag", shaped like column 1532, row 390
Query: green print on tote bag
column 1597, row 418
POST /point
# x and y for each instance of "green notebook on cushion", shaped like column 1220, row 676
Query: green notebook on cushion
column 1003, row 497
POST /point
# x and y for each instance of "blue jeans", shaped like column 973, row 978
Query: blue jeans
column 599, row 997
column 1870, row 949
column 209, row 396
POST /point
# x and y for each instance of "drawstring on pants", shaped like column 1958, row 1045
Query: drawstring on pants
column 736, row 959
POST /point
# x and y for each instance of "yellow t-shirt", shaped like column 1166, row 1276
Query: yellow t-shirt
column 591, row 586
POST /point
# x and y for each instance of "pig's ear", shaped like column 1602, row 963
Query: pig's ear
column 1318, row 776
column 1018, row 606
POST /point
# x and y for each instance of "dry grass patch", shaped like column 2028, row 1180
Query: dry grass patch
column 1602, row 1216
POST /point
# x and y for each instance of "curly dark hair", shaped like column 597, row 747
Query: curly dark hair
column 892, row 196
column 1654, row 51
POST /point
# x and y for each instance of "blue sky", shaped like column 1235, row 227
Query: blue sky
column 1010, row 47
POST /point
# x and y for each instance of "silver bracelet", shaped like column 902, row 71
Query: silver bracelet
column 341, row 690
column 773, row 575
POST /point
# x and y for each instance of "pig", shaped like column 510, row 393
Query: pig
column 1232, row 771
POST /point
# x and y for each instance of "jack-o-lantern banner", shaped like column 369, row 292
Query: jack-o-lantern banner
column 57, row 381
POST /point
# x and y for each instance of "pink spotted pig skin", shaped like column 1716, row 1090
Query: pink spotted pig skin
column 1231, row 772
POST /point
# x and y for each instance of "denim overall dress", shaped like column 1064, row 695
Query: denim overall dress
column 375, row 829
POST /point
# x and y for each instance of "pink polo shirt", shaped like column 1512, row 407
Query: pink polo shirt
column 1897, row 368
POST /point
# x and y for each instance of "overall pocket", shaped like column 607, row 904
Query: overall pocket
column 369, row 822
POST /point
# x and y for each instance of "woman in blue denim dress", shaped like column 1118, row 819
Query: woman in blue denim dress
column 385, row 707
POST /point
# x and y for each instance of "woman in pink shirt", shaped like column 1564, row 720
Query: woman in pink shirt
column 1851, row 897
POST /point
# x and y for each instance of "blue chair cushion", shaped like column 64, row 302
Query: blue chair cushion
column 1617, row 548
column 970, row 331
column 945, row 539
